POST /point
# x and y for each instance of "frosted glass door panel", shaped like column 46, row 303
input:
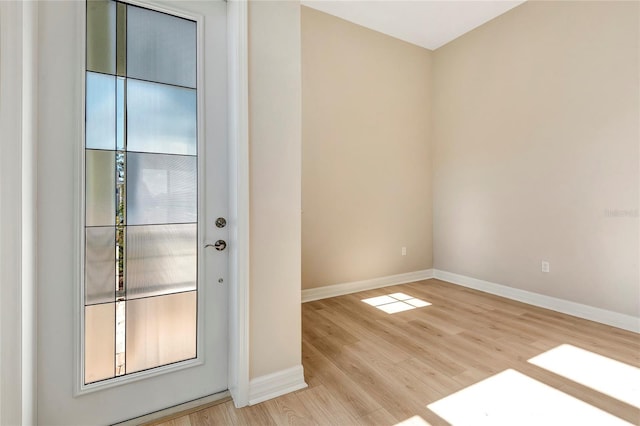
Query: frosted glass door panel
column 161, row 259
column 160, row 330
column 161, row 47
column 161, row 118
column 161, row 189
column 99, row 342
column 100, row 111
column 101, row 36
column 100, row 265
column 141, row 184
column 100, row 187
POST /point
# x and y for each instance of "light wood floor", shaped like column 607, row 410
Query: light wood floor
column 367, row 367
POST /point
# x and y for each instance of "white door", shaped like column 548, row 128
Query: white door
column 132, row 298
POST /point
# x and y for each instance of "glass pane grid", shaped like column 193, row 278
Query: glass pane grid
column 140, row 190
column 101, row 36
column 161, row 47
column 162, row 259
column 100, row 111
column 161, row 118
column 161, row 189
column 99, row 342
column 100, row 266
column 99, row 187
column 160, row 330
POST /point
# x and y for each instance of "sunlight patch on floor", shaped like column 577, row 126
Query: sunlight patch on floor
column 396, row 302
column 512, row 398
column 608, row 376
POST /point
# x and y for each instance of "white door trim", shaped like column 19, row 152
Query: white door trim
column 29, row 203
column 18, row 106
column 237, row 33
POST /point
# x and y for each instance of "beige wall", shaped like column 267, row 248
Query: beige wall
column 274, row 126
column 366, row 173
column 536, row 132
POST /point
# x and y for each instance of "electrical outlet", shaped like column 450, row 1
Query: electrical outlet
column 404, row 251
column 545, row 266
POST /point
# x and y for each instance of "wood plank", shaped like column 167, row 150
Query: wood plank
column 379, row 417
column 219, row 415
column 325, row 407
column 355, row 399
column 367, row 367
column 289, row 410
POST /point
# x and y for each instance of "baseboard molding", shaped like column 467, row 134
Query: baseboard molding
column 615, row 319
column 318, row 293
column 275, row 384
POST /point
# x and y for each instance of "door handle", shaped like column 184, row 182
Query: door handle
column 218, row 245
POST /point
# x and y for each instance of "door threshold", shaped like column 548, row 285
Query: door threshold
column 178, row 410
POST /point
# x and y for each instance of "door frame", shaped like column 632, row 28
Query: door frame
column 238, row 128
column 18, row 132
column 18, row 247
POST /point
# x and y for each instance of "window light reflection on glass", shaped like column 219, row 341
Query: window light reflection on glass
column 160, row 47
column 395, row 302
column 101, row 111
column 161, row 189
column 161, row 118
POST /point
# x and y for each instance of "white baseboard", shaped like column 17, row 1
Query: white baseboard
column 318, row 293
column 626, row 322
column 276, row 384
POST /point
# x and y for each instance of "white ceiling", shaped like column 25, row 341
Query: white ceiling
column 427, row 23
